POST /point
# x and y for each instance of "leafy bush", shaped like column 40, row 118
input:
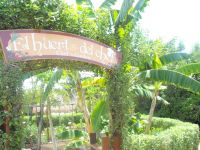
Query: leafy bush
column 136, row 124
column 175, row 135
column 58, row 120
column 71, row 134
column 30, row 134
column 183, row 105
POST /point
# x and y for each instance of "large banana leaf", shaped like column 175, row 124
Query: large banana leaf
column 142, row 91
column 53, row 80
column 135, row 12
column 162, row 100
column 126, row 5
column 193, row 68
column 108, row 3
column 172, row 77
column 85, row 2
column 139, row 7
column 100, row 110
column 173, row 57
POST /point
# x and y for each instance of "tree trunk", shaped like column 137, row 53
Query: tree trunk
column 47, row 114
column 40, row 122
column 83, row 106
column 40, row 126
column 53, row 137
column 151, row 112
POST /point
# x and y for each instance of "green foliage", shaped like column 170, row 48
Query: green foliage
column 139, row 7
column 100, row 110
column 136, row 124
column 56, row 15
column 172, row 77
column 53, row 80
column 184, row 105
column 173, row 57
column 75, row 137
column 156, row 62
column 175, row 135
column 128, row 13
column 126, row 5
column 58, row 120
column 10, row 105
column 70, row 134
column 142, row 91
column 189, row 69
column 30, row 134
column 108, row 3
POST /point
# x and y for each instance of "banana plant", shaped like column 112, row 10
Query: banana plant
column 91, row 119
column 80, row 87
column 130, row 10
column 49, row 86
column 160, row 75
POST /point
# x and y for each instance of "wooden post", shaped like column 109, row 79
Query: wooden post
column 7, row 129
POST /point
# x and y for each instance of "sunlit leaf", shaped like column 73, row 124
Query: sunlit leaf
column 108, row 4
column 100, row 109
column 189, row 69
column 173, row 57
column 172, row 77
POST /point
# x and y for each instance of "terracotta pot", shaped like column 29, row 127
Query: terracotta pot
column 105, row 143
column 116, row 145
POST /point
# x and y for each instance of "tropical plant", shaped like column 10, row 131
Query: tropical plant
column 160, row 76
column 53, row 80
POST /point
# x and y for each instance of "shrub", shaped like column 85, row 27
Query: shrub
column 184, row 105
column 57, row 120
column 176, row 135
column 30, row 134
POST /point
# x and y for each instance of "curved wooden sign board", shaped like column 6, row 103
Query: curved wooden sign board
column 24, row 45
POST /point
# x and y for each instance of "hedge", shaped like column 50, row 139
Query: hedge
column 63, row 119
column 176, row 135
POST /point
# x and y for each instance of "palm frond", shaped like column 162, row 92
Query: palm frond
column 189, row 69
column 173, row 57
column 172, row 77
column 108, row 3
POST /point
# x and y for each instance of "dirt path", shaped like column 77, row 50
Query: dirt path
column 61, row 146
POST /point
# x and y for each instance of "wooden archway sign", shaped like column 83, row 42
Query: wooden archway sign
column 24, row 45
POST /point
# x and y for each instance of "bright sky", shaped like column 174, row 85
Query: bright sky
column 173, row 18
column 168, row 19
